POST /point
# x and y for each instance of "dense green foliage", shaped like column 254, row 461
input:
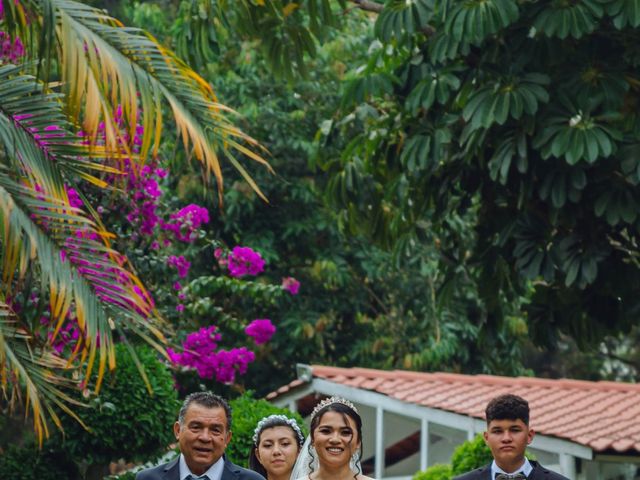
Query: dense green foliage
column 470, row 455
column 125, row 420
column 435, row 472
column 356, row 299
column 247, row 412
column 520, row 119
column 499, row 137
column 124, row 476
column 29, row 462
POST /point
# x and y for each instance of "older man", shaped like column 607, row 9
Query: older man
column 203, row 431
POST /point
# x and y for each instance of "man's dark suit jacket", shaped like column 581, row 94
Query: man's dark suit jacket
column 538, row 473
column 171, row 471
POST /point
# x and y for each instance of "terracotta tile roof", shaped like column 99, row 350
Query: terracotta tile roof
column 604, row 416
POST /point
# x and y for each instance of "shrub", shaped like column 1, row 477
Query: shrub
column 123, row 476
column 438, row 471
column 247, row 411
column 28, row 463
column 470, row 455
column 125, row 420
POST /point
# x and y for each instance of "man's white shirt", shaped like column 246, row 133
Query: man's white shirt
column 214, row 472
column 525, row 468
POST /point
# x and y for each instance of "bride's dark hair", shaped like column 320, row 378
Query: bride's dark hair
column 345, row 411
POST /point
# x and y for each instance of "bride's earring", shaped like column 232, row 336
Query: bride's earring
column 353, row 462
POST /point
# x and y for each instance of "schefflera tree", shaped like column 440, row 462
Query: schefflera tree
column 79, row 66
column 522, row 118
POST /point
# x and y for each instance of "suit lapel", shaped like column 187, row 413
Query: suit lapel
column 484, row 473
column 229, row 472
column 538, row 473
column 172, row 470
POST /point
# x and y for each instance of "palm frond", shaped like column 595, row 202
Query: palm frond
column 39, row 137
column 34, row 372
column 105, row 64
column 79, row 271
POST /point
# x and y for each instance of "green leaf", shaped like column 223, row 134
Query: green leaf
column 400, row 18
column 600, row 206
column 572, row 272
column 561, row 19
column 624, row 12
column 558, row 192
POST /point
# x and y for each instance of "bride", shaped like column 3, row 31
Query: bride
column 333, row 449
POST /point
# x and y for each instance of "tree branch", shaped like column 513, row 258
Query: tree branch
column 369, row 6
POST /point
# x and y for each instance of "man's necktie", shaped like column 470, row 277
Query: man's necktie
column 203, row 477
column 515, row 476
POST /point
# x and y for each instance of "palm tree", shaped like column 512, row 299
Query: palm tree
column 83, row 64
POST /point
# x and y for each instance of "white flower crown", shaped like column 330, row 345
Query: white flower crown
column 266, row 421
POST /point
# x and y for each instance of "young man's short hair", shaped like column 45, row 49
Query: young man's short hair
column 507, row 407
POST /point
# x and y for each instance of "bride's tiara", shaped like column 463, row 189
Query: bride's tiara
column 331, row 400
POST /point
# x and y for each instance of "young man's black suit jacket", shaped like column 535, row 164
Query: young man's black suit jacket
column 171, row 471
column 538, row 473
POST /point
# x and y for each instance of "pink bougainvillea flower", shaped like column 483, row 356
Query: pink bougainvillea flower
column 244, row 261
column 186, row 222
column 261, row 330
column 74, row 198
column 21, row 116
column 291, row 285
column 220, row 256
column 180, row 263
column 236, row 359
column 10, row 51
column 201, row 353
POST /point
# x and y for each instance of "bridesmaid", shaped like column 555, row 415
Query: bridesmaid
column 277, row 440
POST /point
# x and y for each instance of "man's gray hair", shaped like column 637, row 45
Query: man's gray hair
column 205, row 399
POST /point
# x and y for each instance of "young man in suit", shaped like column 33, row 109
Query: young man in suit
column 203, row 431
column 508, row 435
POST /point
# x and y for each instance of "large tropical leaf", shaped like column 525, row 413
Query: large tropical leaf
column 32, row 372
column 35, row 125
column 473, row 21
column 575, row 19
column 104, row 64
column 287, row 30
column 499, row 100
column 400, row 18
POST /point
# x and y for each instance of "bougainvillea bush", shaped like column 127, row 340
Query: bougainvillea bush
column 167, row 243
column 166, row 239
